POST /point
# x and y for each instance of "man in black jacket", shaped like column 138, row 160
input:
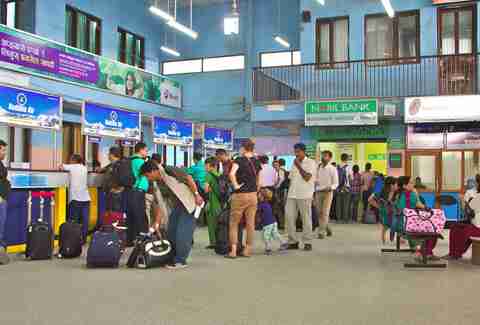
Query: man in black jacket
column 4, row 190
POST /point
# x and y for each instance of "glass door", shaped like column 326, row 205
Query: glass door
column 424, row 169
column 456, row 30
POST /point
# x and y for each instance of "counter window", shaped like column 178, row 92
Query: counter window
column 20, row 145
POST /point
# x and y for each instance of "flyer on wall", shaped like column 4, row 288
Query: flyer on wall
column 30, row 108
column 103, row 120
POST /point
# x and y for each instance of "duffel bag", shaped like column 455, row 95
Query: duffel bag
column 431, row 221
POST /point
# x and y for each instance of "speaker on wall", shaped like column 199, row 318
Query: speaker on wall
column 306, row 16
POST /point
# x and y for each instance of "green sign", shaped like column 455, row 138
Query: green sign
column 350, row 133
column 35, row 55
column 395, row 160
column 396, row 143
column 377, row 156
column 341, row 112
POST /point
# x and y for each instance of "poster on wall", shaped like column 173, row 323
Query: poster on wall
column 216, row 138
column 31, row 109
column 32, row 54
column 463, row 140
column 439, row 109
column 175, row 132
column 103, row 120
column 341, row 112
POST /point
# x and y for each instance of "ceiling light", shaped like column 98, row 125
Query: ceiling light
column 322, row 2
column 388, row 8
column 181, row 28
column 160, row 13
column 169, row 51
column 282, row 42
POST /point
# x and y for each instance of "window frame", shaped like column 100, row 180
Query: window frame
column 331, row 22
column 202, row 59
column 273, row 52
column 4, row 15
column 73, row 31
column 122, row 48
column 395, row 60
column 456, row 10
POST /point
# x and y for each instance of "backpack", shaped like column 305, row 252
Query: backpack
column 122, row 174
column 224, row 188
column 469, row 213
column 342, row 177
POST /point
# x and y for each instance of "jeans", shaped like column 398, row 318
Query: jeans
column 3, row 221
column 354, row 202
column 79, row 213
column 136, row 215
column 181, row 226
column 342, row 206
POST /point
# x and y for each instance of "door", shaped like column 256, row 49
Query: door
column 457, row 34
column 424, row 169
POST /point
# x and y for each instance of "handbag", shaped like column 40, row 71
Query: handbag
column 150, row 251
column 468, row 212
column 431, row 221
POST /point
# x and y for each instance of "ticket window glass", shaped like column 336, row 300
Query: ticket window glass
column 73, row 141
column 20, row 144
column 451, row 171
column 425, row 167
column 170, row 155
column 471, row 165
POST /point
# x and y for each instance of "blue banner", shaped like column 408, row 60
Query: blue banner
column 102, row 120
column 218, row 138
column 30, row 109
column 172, row 131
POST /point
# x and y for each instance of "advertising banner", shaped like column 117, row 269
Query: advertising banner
column 463, row 140
column 168, row 131
column 102, row 120
column 442, row 109
column 215, row 138
column 32, row 54
column 30, row 109
column 341, row 112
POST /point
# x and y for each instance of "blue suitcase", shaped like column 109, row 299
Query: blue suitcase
column 105, row 249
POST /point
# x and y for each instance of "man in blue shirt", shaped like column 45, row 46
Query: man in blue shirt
column 197, row 171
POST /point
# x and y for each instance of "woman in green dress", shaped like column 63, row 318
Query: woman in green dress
column 214, row 207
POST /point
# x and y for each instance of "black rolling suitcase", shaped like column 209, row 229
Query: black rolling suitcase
column 71, row 240
column 222, row 246
column 105, row 249
column 40, row 234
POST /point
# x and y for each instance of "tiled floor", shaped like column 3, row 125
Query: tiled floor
column 345, row 280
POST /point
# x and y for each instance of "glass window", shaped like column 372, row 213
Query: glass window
column 224, row 63
column 451, row 171
column 185, row 66
column 465, row 32
column 471, row 166
column 388, row 38
column 332, row 40
column 424, row 167
column 131, row 49
column 448, row 33
column 82, row 31
column 231, row 25
column 275, row 59
column 11, row 17
column 297, row 58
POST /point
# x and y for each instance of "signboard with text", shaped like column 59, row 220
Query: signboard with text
column 440, row 109
column 30, row 108
column 341, row 112
column 216, row 138
column 103, row 120
column 169, row 131
column 32, row 54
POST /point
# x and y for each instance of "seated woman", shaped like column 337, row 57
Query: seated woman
column 409, row 199
column 459, row 241
column 384, row 202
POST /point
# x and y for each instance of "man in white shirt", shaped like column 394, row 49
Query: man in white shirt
column 268, row 175
column 343, row 195
column 299, row 200
column 327, row 182
column 78, row 194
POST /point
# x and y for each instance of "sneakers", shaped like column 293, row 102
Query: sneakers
column 329, row 232
column 210, row 247
column 307, row 247
column 321, row 236
column 293, row 246
column 283, row 247
column 268, row 252
column 177, row 266
column 4, row 259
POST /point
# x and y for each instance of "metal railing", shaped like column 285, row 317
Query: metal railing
column 406, row 77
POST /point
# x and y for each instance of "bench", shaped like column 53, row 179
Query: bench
column 423, row 238
column 397, row 248
column 475, row 250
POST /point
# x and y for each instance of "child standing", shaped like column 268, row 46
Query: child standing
column 269, row 223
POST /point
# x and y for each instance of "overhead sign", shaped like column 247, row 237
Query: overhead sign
column 30, row 108
column 30, row 53
column 341, row 112
column 439, row 2
column 215, row 138
column 102, row 120
column 169, row 131
column 442, row 109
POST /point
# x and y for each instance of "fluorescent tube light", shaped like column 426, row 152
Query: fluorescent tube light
column 181, row 28
column 169, row 51
column 282, row 42
column 156, row 11
column 388, row 8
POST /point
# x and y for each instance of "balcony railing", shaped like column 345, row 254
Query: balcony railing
column 406, row 77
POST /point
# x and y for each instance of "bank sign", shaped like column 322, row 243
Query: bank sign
column 30, row 109
column 102, row 120
column 341, row 112
column 168, row 131
column 215, row 138
column 32, row 54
